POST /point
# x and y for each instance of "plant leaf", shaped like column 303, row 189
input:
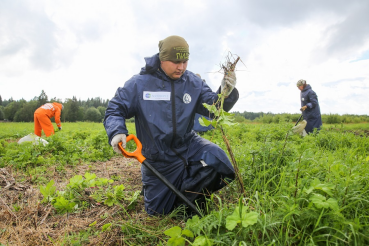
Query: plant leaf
column 333, row 204
column 89, row 176
column 200, row 241
column 48, row 191
column 319, row 201
column 187, row 233
column 249, row 218
column 317, row 185
column 233, row 219
column 118, row 192
column 62, row 205
column 173, row 232
column 106, row 227
column 75, row 182
column 204, row 122
column 176, row 241
column 134, row 199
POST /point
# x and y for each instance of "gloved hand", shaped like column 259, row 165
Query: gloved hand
column 117, row 139
column 303, row 108
column 228, row 83
column 59, row 127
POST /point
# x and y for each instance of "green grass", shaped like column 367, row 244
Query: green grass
column 310, row 190
column 19, row 130
column 80, row 142
column 299, row 191
column 351, row 126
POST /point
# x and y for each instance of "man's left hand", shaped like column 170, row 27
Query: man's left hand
column 228, row 83
column 303, row 108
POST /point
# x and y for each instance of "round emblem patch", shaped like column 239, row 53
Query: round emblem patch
column 302, row 99
column 186, row 98
column 147, row 95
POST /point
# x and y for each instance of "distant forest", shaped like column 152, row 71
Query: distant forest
column 74, row 110
column 94, row 110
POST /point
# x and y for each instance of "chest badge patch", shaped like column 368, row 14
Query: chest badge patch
column 156, row 95
column 186, row 98
column 302, row 99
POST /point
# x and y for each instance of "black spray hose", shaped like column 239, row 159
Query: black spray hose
column 298, row 120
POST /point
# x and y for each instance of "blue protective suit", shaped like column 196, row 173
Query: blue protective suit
column 164, row 111
column 312, row 113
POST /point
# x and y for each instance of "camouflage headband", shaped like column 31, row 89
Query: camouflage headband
column 173, row 48
column 301, row 82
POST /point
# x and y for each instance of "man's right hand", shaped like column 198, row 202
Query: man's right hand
column 228, row 83
column 116, row 140
column 303, row 108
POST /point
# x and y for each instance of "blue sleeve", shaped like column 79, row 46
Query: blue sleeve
column 231, row 100
column 120, row 108
column 313, row 100
column 210, row 97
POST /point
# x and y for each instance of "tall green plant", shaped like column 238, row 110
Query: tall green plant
column 222, row 117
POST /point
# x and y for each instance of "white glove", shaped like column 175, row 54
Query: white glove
column 228, row 83
column 117, row 139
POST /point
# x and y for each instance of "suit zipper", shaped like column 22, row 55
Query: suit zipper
column 174, row 120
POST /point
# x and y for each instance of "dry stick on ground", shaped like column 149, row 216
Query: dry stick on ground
column 47, row 214
column 8, row 179
column 230, row 66
column 7, row 207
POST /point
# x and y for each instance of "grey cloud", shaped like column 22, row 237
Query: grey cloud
column 340, row 40
column 28, row 30
column 247, row 21
column 284, row 84
column 351, row 33
column 287, row 12
column 255, row 93
column 363, row 56
column 44, row 43
column 25, row 27
column 13, row 47
column 89, row 31
column 356, row 98
column 336, row 82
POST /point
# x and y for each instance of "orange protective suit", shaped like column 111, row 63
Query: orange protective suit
column 43, row 115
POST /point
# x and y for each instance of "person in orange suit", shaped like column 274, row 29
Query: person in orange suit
column 43, row 115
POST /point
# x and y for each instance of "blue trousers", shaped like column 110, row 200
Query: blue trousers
column 313, row 122
column 208, row 169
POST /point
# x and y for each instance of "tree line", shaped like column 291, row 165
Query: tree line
column 268, row 118
column 94, row 110
column 74, row 110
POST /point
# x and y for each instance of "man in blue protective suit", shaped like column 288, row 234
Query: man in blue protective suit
column 309, row 106
column 164, row 98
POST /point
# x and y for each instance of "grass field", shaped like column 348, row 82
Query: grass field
column 77, row 191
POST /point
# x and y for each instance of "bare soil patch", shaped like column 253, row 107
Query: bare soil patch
column 26, row 221
column 361, row 132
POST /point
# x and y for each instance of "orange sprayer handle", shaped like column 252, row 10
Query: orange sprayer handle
column 135, row 154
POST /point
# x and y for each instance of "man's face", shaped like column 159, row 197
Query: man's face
column 301, row 87
column 174, row 69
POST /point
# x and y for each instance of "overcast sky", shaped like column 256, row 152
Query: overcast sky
column 90, row 48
